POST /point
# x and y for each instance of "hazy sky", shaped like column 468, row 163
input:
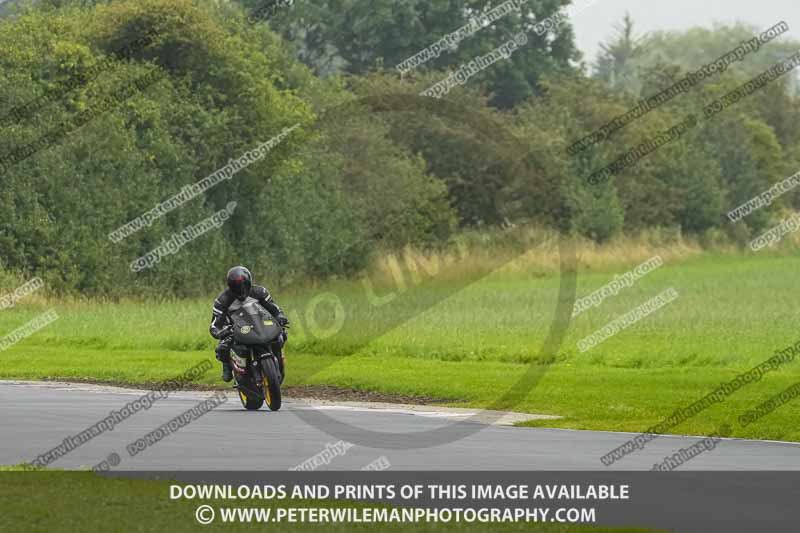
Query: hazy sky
column 596, row 23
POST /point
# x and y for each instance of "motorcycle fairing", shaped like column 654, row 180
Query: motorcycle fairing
column 252, row 324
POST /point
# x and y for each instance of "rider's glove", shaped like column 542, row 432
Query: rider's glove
column 283, row 321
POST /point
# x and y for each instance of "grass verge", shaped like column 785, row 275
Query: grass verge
column 473, row 338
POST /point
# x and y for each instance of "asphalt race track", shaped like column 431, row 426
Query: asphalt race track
column 37, row 417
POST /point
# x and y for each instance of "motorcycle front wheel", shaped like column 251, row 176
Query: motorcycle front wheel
column 272, row 383
column 249, row 401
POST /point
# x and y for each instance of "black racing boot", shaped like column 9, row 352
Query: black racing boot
column 223, row 353
column 227, row 374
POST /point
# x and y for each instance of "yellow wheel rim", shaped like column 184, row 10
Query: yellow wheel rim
column 242, row 396
column 266, row 391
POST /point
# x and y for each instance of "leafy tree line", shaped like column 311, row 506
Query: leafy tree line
column 372, row 166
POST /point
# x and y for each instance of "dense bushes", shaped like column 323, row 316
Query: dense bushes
column 316, row 205
column 371, row 165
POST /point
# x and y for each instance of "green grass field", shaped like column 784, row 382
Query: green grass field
column 474, row 338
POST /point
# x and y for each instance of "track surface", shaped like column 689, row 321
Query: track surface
column 36, row 418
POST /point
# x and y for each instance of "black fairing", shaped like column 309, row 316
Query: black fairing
column 254, row 325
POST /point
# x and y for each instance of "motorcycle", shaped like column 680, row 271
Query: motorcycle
column 257, row 371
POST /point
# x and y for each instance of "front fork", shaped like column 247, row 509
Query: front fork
column 257, row 374
column 281, row 365
column 275, row 351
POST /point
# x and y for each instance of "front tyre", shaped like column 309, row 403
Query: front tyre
column 272, row 383
column 250, row 402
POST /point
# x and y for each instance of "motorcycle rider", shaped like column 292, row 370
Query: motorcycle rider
column 240, row 286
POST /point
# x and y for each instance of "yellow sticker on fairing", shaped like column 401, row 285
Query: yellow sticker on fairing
column 268, row 322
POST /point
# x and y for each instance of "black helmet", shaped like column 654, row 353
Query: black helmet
column 240, row 281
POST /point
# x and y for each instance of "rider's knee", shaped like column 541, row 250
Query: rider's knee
column 223, row 352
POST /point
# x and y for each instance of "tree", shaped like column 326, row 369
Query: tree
column 316, row 205
column 615, row 63
column 695, row 47
column 360, row 36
